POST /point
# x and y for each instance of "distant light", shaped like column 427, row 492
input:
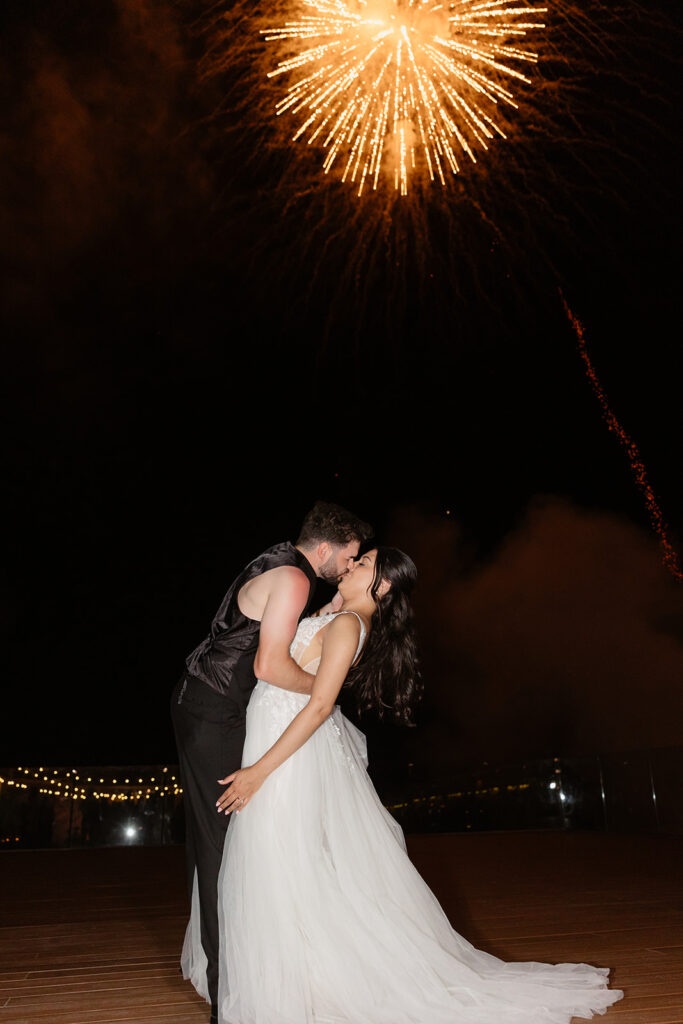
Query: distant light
column 562, row 796
column 552, row 785
column 130, row 832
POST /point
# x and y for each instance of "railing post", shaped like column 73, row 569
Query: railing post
column 654, row 793
column 602, row 794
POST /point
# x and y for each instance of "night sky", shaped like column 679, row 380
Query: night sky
column 203, row 335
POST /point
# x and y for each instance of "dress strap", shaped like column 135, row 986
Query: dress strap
column 361, row 641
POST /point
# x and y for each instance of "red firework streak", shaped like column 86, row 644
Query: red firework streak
column 669, row 557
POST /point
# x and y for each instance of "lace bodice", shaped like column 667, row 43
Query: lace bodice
column 307, row 630
column 277, row 707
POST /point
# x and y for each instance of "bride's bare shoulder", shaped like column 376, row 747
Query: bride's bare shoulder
column 344, row 627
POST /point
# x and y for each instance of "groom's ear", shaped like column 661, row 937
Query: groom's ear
column 324, row 551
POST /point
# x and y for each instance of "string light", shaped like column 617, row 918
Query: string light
column 60, row 783
column 437, row 799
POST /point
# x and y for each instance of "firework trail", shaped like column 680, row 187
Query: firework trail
column 669, row 557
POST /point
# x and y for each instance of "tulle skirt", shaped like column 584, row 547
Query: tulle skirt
column 325, row 920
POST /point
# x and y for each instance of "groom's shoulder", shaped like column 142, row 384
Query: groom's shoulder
column 287, row 577
column 281, row 555
column 284, row 549
column 291, row 571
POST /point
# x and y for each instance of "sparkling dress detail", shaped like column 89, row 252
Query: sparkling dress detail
column 325, row 920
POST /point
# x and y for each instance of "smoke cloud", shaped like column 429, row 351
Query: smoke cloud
column 568, row 641
column 95, row 161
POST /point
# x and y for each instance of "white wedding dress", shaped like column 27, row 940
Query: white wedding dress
column 324, row 919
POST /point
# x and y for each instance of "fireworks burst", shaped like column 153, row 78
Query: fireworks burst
column 565, row 166
column 404, row 85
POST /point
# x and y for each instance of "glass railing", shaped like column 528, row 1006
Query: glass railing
column 625, row 791
column 637, row 791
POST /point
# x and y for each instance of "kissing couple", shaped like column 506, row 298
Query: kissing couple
column 307, row 908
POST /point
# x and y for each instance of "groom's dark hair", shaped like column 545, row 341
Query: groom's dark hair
column 333, row 524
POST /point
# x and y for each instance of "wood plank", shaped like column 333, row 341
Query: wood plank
column 622, row 1014
column 93, row 937
column 153, row 1015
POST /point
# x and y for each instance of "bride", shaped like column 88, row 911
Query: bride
column 323, row 918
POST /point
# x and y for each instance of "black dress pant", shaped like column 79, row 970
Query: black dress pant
column 209, row 731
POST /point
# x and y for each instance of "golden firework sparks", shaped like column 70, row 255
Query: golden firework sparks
column 402, row 84
column 669, row 556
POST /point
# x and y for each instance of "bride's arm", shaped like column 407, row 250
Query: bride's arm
column 339, row 645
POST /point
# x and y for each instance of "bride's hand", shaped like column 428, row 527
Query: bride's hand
column 242, row 786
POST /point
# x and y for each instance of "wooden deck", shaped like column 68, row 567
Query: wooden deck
column 94, row 935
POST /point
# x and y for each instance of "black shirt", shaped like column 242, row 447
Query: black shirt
column 225, row 659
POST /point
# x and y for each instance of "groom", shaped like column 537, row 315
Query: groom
column 251, row 633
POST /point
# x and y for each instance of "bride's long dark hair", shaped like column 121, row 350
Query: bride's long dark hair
column 387, row 678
